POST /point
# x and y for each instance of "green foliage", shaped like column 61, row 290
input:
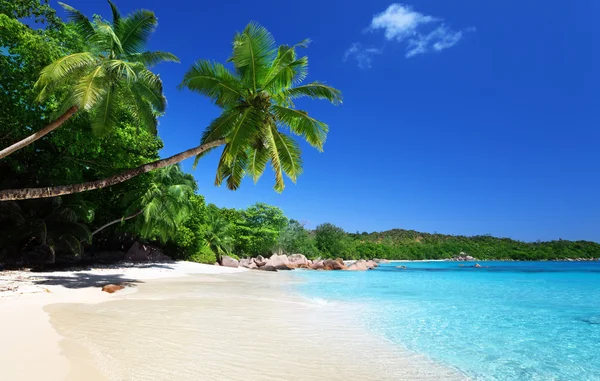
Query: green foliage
column 110, row 72
column 258, row 109
column 37, row 10
column 257, row 229
column 295, row 239
column 409, row 244
column 165, row 204
column 218, row 233
column 204, row 255
column 332, row 241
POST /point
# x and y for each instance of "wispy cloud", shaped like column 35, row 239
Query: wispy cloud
column 363, row 56
column 418, row 32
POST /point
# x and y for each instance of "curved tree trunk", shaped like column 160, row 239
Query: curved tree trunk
column 29, row 193
column 41, row 133
column 134, row 215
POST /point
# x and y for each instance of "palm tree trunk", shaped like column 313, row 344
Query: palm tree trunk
column 117, row 220
column 29, row 193
column 41, row 133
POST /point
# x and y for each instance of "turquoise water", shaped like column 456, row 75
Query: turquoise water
column 505, row 321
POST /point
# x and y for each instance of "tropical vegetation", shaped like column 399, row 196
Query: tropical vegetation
column 109, row 143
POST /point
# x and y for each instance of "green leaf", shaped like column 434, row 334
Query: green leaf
column 135, row 30
column 301, row 124
column 82, row 24
column 314, row 90
column 105, row 119
column 289, row 155
column 214, row 81
column 150, row 59
column 253, row 49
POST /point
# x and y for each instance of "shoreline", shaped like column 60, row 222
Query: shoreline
column 65, row 321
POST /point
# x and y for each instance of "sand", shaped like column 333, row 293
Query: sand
column 30, row 347
column 207, row 326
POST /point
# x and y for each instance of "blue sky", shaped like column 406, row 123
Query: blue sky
column 461, row 117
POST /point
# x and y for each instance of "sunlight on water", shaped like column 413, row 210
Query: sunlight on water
column 509, row 321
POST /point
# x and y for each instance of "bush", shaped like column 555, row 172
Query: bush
column 203, row 255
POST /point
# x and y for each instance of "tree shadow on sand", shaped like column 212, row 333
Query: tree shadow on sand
column 84, row 279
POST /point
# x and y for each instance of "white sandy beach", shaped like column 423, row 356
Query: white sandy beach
column 186, row 321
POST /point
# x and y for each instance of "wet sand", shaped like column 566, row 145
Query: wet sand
column 246, row 326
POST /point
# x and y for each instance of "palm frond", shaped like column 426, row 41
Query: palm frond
column 89, row 90
column 135, row 30
column 223, row 125
column 275, row 159
column 289, row 154
column 253, row 49
column 150, row 59
column 245, row 127
column 142, row 109
column 258, row 157
column 105, row 116
column 300, row 123
column 286, row 69
column 150, row 88
column 116, row 16
column 59, row 70
column 231, row 169
column 82, row 24
column 214, row 81
column 106, row 38
column 120, row 69
column 314, row 90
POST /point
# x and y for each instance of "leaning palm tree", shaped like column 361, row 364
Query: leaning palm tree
column 218, row 234
column 257, row 99
column 113, row 70
column 162, row 207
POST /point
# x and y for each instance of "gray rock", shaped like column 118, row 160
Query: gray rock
column 260, row 261
column 280, row 262
column 298, row 259
column 247, row 262
column 227, row 261
column 145, row 253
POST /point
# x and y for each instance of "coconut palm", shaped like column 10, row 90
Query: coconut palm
column 114, row 70
column 162, row 207
column 218, row 234
column 258, row 108
column 257, row 99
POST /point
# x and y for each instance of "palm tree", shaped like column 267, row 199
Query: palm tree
column 163, row 206
column 113, row 71
column 218, row 234
column 257, row 102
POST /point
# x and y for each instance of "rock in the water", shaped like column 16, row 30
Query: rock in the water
column 279, row 262
column 145, row 253
column 110, row 288
column 317, row 265
column 260, row 261
column 477, row 265
column 334, row 264
column 401, row 267
column 360, row 265
column 227, row 261
column 298, row 259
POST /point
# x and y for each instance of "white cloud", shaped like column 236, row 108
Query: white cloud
column 400, row 23
column 363, row 56
column 437, row 40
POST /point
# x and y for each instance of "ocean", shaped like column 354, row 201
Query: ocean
column 503, row 321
